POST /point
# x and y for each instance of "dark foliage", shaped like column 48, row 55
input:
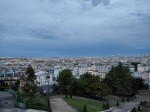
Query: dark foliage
column 135, row 65
column 117, row 103
column 91, row 85
column 84, row 108
column 121, row 82
column 65, row 81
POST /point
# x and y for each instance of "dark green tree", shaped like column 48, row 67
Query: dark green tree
column 91, row 85
column 135, row 65
column 30, row 86
column 128, row 99
column 65, row 81
column 16, row 85
column 84, row 83
column 141, row 103
column 122, row 99
column 139, row 109
column 138, row 84
column 66, row 96
column 84, row 108
column 107, row 105
column 133, row 110
column 70, row 95
column 117, row 103
column 119, row 79
column 104, row 106
column 144, row 102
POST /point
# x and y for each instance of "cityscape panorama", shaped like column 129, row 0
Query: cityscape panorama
column 74, row 56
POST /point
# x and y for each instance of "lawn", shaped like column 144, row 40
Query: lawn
column 147, row 105
column 39, row 102
column 92, row 106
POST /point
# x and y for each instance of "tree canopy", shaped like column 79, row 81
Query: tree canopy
column 138, row 84
column 135, row 65
column 65, row 80
column 120, row 81
column 30, row 86
column 91, row 85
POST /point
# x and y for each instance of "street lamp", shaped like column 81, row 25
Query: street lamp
column 149, row 81
column 48, row 79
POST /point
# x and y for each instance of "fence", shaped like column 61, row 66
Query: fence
column 18, row 104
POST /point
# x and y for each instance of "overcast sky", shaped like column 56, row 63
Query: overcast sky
column 66, row 28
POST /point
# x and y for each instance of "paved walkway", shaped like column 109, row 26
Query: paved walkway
column 128, row 106
column 7, row 104
column 20, row 110
column 59, row 105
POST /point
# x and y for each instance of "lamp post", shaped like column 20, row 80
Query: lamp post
column 148, row 81
column 48, row 98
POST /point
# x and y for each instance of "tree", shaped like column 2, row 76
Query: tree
column 119, row 79
column 84, row 108
column 91, row 85
column 141, row 103
column 135, row 65
column 138, row 84
column 104, row 106
column 85, row 82
column 107, row 105
column 65, row 81
column 122, row 99
column 128, row 99
column 117, row 103
column 139, row 109
column 133, row 110
column 16, row 85
column 30, row 86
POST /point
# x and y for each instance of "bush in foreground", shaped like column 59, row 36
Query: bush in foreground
column 139, row 109
column 117, row 103
column 84, row 108
column 107, row 105
column 133, row 110
column 39, row 102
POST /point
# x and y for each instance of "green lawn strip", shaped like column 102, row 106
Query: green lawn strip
column 92, row 106
column 147, row 105
column 38, row 103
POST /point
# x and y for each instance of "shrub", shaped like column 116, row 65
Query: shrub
column 107, row 105
column 122, row 99
column 144, row 102
column 141, row 103
column 66, row 96
column 104, row 106
column 70, row 95
column 133, row 110
column 84, row 108
column 117, row 103
column 139, row 109
column 128, row 99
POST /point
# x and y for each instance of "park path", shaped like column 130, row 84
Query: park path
column 7, row 102
column 59, row 105
column 128, row 106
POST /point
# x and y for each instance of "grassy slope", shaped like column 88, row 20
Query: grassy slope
column 79, row 103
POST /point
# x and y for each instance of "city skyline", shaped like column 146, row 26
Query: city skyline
column 74, row 28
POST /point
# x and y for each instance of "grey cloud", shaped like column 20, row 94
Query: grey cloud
column 142, row 16
column 52, row 25
column 45, row 34
column 97, row 2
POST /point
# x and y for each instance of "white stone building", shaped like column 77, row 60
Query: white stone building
column 41, row 78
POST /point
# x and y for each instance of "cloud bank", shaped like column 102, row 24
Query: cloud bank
column 74, row 27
